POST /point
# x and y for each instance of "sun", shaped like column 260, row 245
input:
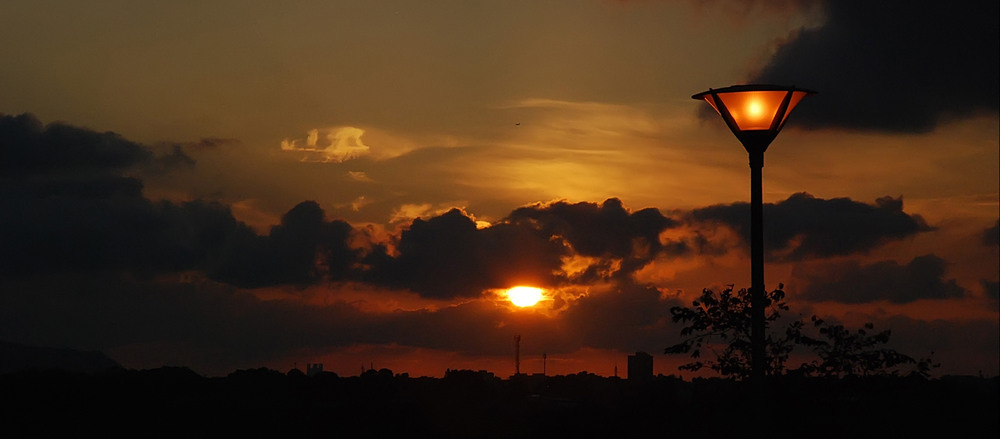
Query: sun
column 524, row 296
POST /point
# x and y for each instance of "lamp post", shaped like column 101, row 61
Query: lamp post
column 755, row 114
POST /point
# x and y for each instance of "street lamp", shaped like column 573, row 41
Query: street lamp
column 755, row 113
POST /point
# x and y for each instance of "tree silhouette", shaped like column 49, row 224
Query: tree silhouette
column 720, row 323
column 844, row 353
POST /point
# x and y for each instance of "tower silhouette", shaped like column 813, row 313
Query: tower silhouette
column 517, row 354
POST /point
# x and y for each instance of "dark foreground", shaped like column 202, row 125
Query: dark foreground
column 175, row 402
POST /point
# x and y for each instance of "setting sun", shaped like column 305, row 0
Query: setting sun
column 524, row 296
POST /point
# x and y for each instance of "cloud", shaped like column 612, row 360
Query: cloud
column 103, row 221
column 449, row 256
column 303, row 249
column 75, row 210
column 895, row 66
column 804, row 226
column 629, row 317
column 851, row 282
column 215, row 328
column 359, row 176
column 72, row 208
column 182, row 283
column 28, row 146
column 605, row 231
column 201, row 324
column 69, row 206
column 64, row 151
column 106, row 224
column 344, row 144
column 97, row 218
column 206, row 143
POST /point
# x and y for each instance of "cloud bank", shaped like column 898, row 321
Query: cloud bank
column 852, row 282
column 804, row 226
column 90, row 262
column 894, row 66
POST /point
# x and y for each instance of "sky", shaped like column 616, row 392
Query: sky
column 226, row 185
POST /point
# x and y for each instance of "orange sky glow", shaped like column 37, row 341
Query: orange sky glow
column 236, row 184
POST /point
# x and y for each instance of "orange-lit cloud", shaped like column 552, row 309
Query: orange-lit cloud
column 340, row 144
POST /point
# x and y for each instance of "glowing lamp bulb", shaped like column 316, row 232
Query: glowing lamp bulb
column 754, row 107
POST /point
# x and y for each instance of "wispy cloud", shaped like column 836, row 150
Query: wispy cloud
column 340, row 145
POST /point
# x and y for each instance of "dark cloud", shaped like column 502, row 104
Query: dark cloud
column 205, row 325
column 447, row 256
column 804, row 226
column 302, row 250
column 101, row 220
column 60, row 150
column 991, row 236
column 475, row 328
column 66, row 203
column 87, row 223
column 215, row 328
column 631, row 317
column 175, row 159
column 851, row 282
column 106, row 224
column 607, row 230
column 209, row 143
column 29, row 147
column 899, row 65
column 174, row 155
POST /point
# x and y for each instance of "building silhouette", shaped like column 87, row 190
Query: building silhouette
column 640, row 367
column 313, row 369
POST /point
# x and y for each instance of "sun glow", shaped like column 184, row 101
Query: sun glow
column 524, row 296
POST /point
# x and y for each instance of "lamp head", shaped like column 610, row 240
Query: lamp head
column 755, row 113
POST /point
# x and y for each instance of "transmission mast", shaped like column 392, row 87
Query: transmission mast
column 517, row 354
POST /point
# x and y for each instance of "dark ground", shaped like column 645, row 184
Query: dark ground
column 176, row 402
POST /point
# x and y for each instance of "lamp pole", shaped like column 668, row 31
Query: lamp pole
column 757, row 292
column 755, row 114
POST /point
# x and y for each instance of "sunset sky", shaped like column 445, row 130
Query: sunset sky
column 238, row 184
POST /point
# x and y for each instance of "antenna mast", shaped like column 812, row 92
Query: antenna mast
column 517, row 354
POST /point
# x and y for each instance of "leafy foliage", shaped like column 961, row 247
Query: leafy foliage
column 845, row 353
column 721, row 325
